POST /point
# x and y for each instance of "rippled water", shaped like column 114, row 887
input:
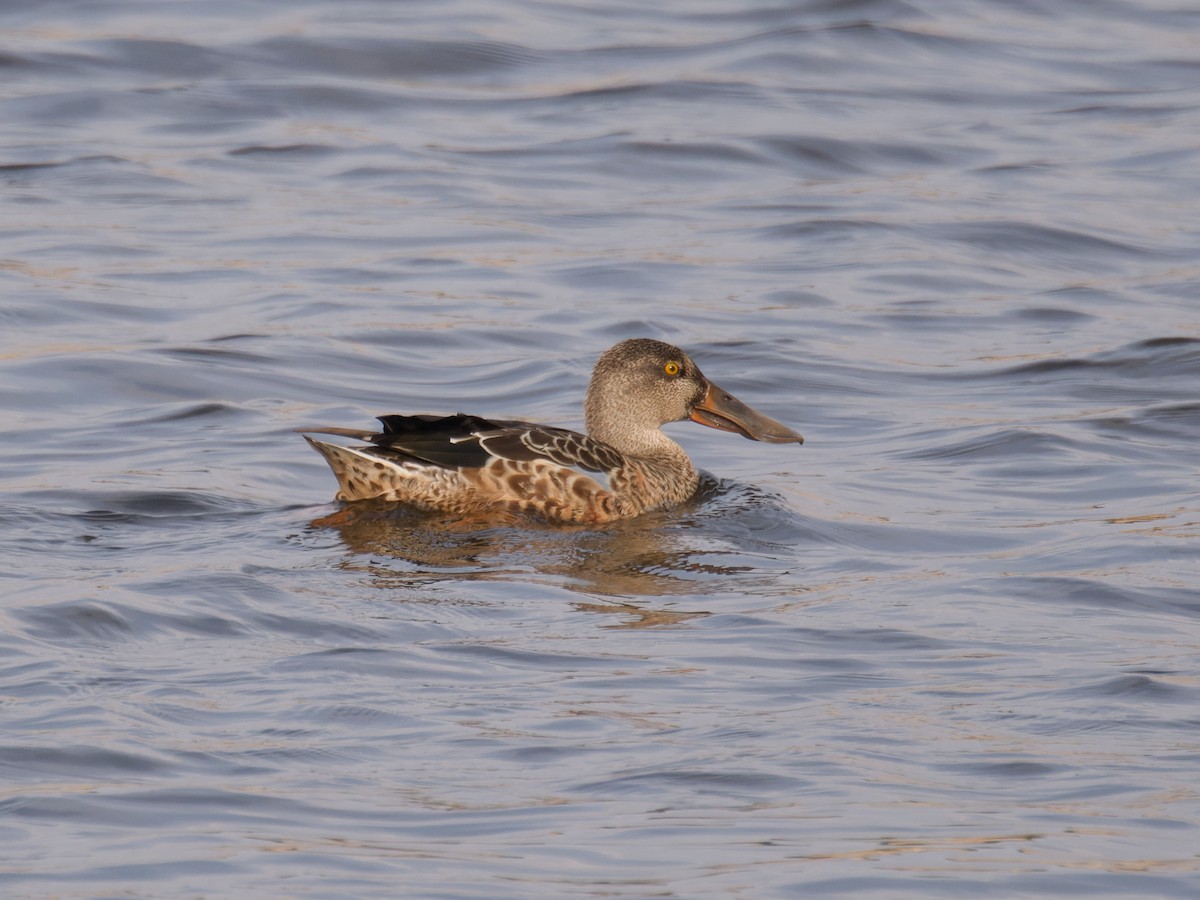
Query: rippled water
column 947, row 647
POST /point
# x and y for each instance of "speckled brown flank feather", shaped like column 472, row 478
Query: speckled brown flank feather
column 622, row 467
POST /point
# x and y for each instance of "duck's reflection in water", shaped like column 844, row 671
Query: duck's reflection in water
column 635, row 616
column 618, row 568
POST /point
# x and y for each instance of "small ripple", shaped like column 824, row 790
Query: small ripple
column 720, row 782
column 677, row 90
column 1173, row 421
column 216, row 353
column 1104, row 594
column 59, row 762
column 825, row 156
column 1133, row 687
column 151, row 507
column 371, row 58
column 300, row 151
column 826, row 231
column 65, row 621
column 74, row 620
column 1143, row 359
column 1003, row 444
column 1052, row 315
column 1053, row 245
column 1008, row 769
column 14, row 168
column 506, row 657
column 1162, row 361
column 182, row 413
column 417, row 664
column 160, row 58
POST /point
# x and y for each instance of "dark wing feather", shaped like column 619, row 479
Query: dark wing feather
column 463, row 441
column 448, row 441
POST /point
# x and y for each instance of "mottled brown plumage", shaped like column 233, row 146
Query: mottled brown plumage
column 622, row 467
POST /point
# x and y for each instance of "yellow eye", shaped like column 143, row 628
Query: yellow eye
column 671, row 368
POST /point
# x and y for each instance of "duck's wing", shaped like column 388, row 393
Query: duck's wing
column 463, row 441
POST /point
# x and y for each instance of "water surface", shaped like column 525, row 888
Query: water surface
column 947, row 647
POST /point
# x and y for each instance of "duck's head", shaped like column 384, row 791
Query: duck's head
column 641, row 384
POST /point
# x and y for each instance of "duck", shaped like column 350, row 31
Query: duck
column 622, row 467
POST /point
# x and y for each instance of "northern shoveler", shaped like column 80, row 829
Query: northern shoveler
column 622, row 467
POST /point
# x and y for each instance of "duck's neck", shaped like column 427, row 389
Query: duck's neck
column 645, row 443
column 658, row 472
column 623, row 434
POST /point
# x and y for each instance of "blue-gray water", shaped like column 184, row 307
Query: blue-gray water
column 949, row 647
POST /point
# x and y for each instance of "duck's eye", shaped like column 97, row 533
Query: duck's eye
column 671, row 368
